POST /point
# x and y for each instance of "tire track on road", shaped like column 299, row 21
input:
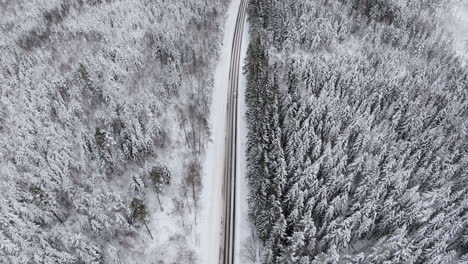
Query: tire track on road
column 230, row 173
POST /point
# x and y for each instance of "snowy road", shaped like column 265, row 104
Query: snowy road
column 218, row 193
column 230, row 156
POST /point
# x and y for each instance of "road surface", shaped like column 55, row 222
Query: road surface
column 230, row 162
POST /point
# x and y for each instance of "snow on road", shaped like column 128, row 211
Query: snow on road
column 212, row 201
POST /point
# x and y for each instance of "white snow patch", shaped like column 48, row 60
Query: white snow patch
column 456, row 21
column 209, row 228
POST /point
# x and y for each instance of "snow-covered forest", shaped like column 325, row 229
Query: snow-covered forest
column 357, row 142
column 103, row 124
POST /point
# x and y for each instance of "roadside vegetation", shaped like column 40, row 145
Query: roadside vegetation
column 103, row 124
column 357, row 143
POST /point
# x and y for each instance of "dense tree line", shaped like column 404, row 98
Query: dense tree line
column 357, row 133
column 94, row 97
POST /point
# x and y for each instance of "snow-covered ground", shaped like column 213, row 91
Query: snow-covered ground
column 456, row 21
column 212, row 202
